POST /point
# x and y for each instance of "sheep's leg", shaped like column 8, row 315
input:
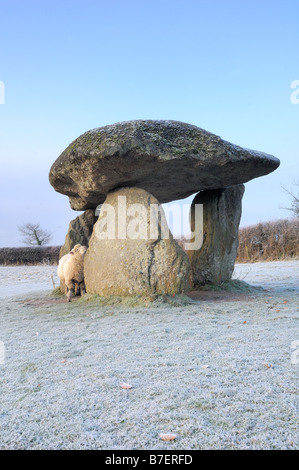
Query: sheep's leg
column 82, row 288
column 69, row 295
column 62, row 286
column 69, row 290
column 76, row 288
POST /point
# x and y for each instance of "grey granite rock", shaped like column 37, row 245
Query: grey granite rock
column 79, row 232
column 214, row 261
column 131, row 261
column 170, row 159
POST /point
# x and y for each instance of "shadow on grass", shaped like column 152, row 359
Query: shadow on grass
column 234, row 286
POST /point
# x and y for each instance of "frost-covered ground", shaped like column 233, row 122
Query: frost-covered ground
column 275, row 275
column 220, row 373
column 16, row 280
column 279, row 275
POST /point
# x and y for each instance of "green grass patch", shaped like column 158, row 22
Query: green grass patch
column 57, row 293
column 134, row 301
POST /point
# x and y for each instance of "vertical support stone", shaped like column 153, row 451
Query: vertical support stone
column 80, row 230
column 131, row 250
column 214, row 261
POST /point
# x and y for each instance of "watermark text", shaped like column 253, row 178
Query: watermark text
column 295, row 353
column 2, row 92
column 141, row 222
column 2, row 352
column 295, row 93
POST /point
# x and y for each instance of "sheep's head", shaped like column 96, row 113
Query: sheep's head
column 75, row 249
column 78, row 249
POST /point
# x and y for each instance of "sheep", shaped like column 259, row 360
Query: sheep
column 70, row 271
column 73, row 272
column 60, row 269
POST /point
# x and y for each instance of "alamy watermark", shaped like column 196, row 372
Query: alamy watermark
column 295, row 93
column 295, row 353
column 2, row 352
column 141, row 222
column 2, row 92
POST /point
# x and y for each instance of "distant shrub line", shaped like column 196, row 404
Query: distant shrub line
column 266, row 241
column 29, row 255
column 269, row 241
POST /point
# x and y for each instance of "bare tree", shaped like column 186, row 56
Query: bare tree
column 33, row 234
column 294, row 201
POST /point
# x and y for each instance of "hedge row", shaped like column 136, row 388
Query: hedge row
column 266, row 241
column 29, row 255
column 269, row 241
column 261, row 242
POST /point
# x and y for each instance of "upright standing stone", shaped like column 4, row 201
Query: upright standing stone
column 128, row 253
column 79, row 232
column 214, row 261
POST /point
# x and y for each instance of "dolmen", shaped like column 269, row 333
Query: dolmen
column 120, row 174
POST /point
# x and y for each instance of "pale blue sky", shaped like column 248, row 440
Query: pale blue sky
column 69, row 66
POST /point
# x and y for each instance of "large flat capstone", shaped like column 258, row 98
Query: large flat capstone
column 170, row 159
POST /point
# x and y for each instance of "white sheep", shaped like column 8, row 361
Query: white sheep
column 70, row 271
column 60, row 269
